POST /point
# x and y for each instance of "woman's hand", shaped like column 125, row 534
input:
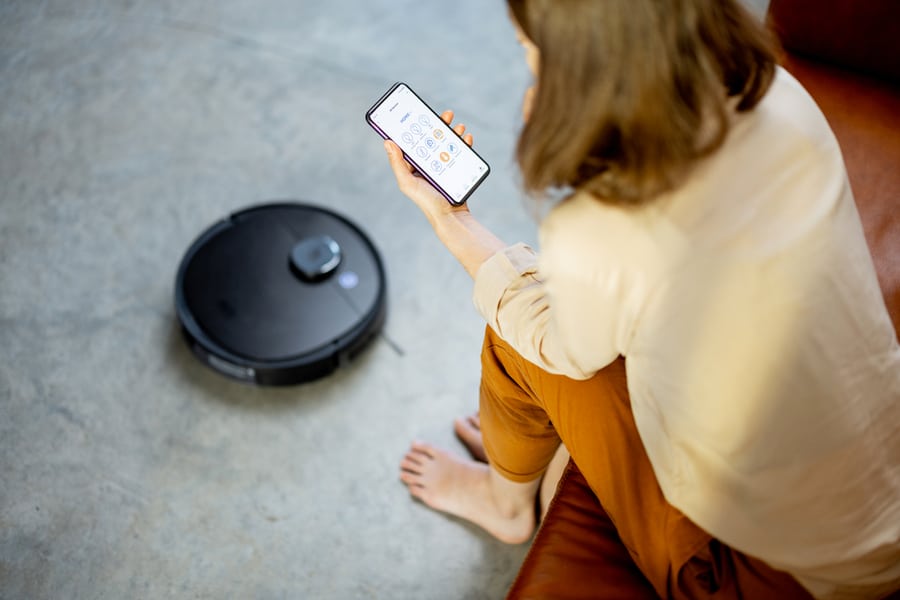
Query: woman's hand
column 455, row 226
column 416, row 187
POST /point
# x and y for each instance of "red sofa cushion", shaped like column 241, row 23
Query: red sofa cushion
column 863, row 35
column 576, row 554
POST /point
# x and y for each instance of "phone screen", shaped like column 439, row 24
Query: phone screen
column 429, row 144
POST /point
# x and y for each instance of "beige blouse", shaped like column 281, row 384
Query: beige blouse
column 763, row 368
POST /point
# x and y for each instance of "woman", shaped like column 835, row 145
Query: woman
column 703, row 329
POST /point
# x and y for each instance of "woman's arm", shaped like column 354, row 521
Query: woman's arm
column 508, row 292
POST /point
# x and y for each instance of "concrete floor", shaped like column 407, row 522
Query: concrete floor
column 127, row 468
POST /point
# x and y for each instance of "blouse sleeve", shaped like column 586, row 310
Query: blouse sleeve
column 561, row 314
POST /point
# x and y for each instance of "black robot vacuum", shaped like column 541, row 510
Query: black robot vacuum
column 280, row 293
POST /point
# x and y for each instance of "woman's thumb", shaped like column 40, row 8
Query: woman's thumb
column 395, row 156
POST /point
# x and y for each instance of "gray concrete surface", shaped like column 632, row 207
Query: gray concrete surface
column 127, row 468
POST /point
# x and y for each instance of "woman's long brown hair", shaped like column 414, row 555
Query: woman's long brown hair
column 631, row 93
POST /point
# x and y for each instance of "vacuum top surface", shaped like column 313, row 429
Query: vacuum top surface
column 277, row 282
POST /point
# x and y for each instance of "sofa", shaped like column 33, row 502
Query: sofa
column 846, row 53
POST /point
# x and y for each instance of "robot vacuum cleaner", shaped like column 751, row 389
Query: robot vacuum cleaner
column 280, row 293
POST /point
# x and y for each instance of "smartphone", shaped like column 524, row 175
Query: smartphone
column 429, row 144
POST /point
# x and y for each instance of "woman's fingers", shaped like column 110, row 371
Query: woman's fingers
column 447, row 117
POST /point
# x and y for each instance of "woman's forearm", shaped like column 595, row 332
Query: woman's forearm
column 467, row 239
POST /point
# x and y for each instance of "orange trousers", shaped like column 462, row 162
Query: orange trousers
column 526, row 412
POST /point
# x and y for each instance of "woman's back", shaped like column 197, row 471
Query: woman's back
column 763, row 367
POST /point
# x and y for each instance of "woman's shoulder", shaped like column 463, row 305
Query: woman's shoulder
column 786, row 117
column 606, row 237
column 583, row 219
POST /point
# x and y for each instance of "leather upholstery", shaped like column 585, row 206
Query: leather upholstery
column 563, row 562
column 860, row 35
column 570, row 557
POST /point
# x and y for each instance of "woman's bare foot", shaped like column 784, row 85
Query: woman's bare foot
column 470, row 490
column 468, row 430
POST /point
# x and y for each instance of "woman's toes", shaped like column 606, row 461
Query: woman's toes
column 410, row 479
column 411, row 464
column 468, row 430
column 421, row 450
